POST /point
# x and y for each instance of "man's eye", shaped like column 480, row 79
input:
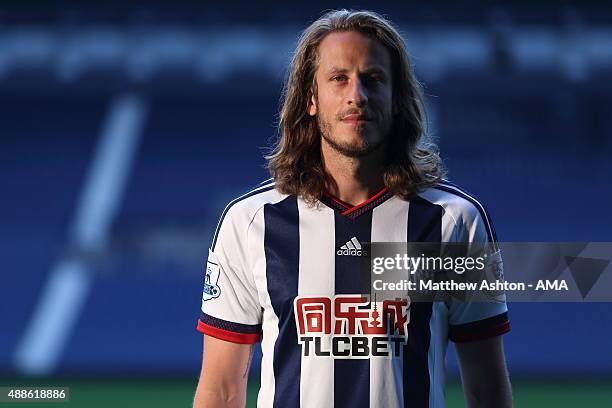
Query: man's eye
column 339, row 78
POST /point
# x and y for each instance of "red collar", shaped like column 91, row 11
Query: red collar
column 348, row 209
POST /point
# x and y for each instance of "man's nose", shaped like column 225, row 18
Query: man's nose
column 358, row 95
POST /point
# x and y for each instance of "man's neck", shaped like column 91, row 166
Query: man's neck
column 355, row 179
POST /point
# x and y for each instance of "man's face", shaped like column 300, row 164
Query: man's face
column 353, row 104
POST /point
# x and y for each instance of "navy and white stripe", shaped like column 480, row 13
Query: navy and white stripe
column 352, row 276
column 282, row 244
column 424, row 225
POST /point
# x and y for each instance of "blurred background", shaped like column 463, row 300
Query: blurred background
column 126, row 127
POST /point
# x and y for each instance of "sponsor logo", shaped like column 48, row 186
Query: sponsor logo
column 352, row 248
column 211, row 289
column 351, row 326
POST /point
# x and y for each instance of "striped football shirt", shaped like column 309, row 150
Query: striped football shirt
column 283, row 272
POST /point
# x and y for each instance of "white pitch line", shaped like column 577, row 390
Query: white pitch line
column 70, row 280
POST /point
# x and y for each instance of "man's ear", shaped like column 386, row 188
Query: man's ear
column 312, row 105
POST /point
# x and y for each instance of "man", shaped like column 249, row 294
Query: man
column 349, row 168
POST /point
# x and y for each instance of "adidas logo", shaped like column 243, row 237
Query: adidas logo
column 352, row 248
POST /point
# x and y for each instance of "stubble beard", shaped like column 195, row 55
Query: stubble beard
column 346, row 149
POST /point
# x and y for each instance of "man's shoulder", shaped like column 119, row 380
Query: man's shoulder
column 245, row 206
column 455, row 200
column 239, row 213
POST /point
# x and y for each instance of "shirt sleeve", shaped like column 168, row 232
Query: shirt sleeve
column 231, row 310
column 477, row 320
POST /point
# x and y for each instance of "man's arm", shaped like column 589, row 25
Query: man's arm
column 224, row 375
column 484, row 374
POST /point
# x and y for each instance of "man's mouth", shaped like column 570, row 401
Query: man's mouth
column 355, row 119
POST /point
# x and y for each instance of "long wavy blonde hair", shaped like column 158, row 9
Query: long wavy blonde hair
column 412, row 161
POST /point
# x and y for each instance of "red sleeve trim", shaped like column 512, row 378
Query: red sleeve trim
column 241, row 338
column 466, row 337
